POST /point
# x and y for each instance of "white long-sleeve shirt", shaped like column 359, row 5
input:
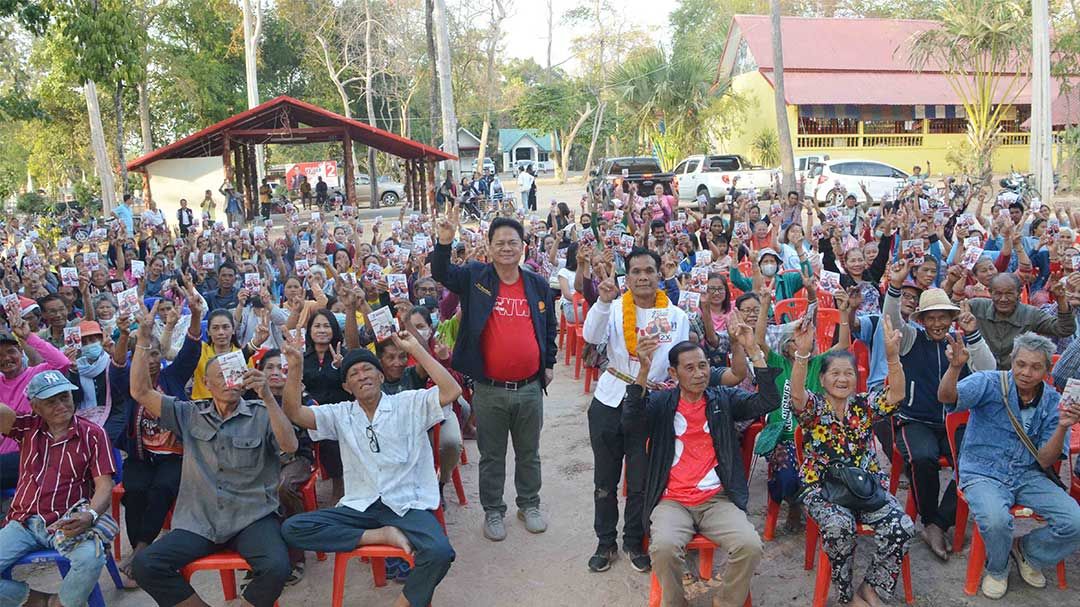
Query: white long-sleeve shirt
column 603, row 324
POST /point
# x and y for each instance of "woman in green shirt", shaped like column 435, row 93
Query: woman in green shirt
column 777, row 439
column 767, row 273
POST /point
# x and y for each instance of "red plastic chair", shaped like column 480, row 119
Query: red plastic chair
column 226, row 563
column 377, row 554
column 706, row 550
column 823, row 575
column 311, row 502
column 576, row 301
column 825, row 300
column 977, row 556
column 862, row 362
column 581, row 308
column 896, row 467
column 746, row 267
column 117, row 497
column 826, row 324
column 787, row 310
column 591, row 374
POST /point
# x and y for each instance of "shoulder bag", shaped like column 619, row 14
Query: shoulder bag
column 1003, row 376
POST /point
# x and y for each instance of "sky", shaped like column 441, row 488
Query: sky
column 526, row 27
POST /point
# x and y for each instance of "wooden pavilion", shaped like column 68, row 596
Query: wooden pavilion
column 284, row 120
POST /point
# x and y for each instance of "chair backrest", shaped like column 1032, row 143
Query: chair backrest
column 953, row 421
column 798, row 445
column 118, row 461
column 746, row 267
column 787, row 310
column 581, row 307
column 1049, row 379
column 826, row 324
column 825, row 300
column 862, row 362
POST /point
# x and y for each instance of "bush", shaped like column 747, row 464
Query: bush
column 32, row 202
column 766, row 147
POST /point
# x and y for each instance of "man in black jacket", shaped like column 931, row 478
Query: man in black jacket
column 506, row 344
column 695, row 481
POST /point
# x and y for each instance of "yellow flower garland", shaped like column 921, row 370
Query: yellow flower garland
column 629, row 319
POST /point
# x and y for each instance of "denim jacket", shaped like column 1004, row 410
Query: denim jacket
column 991, row 447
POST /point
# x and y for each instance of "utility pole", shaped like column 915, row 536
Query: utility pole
column 1041, row 127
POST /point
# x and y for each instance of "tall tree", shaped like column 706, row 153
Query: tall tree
column 1042, row 143
column 369, row 98
column 253, row 23
column 498, row 13
column 560, row 109
column 429, row 24
column 446, row 87
column 787, row 157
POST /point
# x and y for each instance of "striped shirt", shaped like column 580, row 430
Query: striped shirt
column 54, row 474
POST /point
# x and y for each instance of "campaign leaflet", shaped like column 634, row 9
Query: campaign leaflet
column 233, row 368
column 129, row 301
column 1071, row 394
column 398, row 285
column 699, row 279
column 373, row 272
column 912, row 250
column 69, row 277
column 829, row 282
column 971, row 256
column 658, row 326
column 302, row 267
column 703, row 258
column 138, row 269
column 690, row 301
column 252, row 282
column 383, row 323
column 742, row 231
column 72, row 337
column 92, row 262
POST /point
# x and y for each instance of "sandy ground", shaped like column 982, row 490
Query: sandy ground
column 549, row 570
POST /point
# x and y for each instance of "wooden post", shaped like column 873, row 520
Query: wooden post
column 226, row 160
column 246, row 161
column 421, row 186
column 253, row 178
column 409, row 193
column 147, row 195
column 350, row 179
column 429, row 183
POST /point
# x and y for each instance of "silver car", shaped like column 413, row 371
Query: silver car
column 390, row 192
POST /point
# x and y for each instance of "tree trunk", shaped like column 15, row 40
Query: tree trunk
column 118, row 107
column 369, row 96
column 252, row 31
column 101, row 155
column 446, row 90
column 144, row 119
column 550, row 24
column 1041, row 148
column 598, row 123
column 783, row 130
column 568, row 142
column 498, row 13
column 335, row 78
column 429, row 23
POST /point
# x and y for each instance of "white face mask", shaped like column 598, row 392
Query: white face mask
column 768, row 269
column 425, row 333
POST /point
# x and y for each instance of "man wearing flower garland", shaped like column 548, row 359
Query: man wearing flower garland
column 618, row 321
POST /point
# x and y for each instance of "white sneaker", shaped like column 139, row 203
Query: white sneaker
column 1031, row 575
column 993, row 588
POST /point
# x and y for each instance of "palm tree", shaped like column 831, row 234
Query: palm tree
column 982, row 48
column 670, row 99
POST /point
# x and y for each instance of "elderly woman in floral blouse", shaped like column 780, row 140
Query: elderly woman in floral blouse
column 838, row 427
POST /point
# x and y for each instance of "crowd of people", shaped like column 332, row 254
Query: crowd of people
column 222, row 364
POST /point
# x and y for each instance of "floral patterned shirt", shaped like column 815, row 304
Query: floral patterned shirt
column 849, row 440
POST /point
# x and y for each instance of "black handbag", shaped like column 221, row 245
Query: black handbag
column 853, row 488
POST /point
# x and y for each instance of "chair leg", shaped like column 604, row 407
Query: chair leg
column 464, row 456
column 905, row 570
column 910, row 507
column 1062, row 583
column 823, row 579
column 771, row 514
column 378, row 570
column 459, row 486
column 961, row 524
column 228, row 583
column 655, row 593
column 811, row 543
column 116, row 517
column 96, row 599
column 114, row 573
column 975, row 564
column 579, row 347
column 341, row 564
column 705, row 563
column 749, row 602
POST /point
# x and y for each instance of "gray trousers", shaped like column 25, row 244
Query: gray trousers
column 519, row 414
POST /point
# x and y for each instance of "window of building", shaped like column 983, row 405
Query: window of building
column 744, row 60
column 947, row 125
column 828, row 126
column 543, row 156
column 892, row 127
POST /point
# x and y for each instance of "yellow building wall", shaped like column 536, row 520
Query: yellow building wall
column 903, row 151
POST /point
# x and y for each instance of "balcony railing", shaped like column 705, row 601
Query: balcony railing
column 897, row 141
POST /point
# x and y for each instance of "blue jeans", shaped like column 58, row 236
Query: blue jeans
column 16, row 540
column 339, row 530
column 990, row 501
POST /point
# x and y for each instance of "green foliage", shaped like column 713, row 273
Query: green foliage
column 766, row 148
column 32, row 202
column 100, row 40
column 31, row 14
column 699, row 28
column 670, row 99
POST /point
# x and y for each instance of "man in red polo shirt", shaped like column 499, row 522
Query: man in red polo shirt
column 65, row 484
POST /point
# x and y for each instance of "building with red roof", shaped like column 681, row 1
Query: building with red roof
column 851, row 92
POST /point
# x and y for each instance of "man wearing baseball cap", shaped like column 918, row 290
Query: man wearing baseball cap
column 390, row 481
column 65, row 485
column 15, row 374
column 920, row 422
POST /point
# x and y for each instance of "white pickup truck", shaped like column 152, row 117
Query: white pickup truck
column 712, row 176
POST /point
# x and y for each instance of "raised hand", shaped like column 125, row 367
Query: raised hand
column 898, row 273
column 447, row 225
column 407, row 342
column 956, row 351
column 293, row 348
column 804, row 337
column 646, row 348
column 966, row 319
column 609, row 289
column 337, row 356
column 892, row 339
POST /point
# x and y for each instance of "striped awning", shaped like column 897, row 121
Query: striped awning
column 880, row 112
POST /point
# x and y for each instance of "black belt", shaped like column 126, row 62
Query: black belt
column 512, row 386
